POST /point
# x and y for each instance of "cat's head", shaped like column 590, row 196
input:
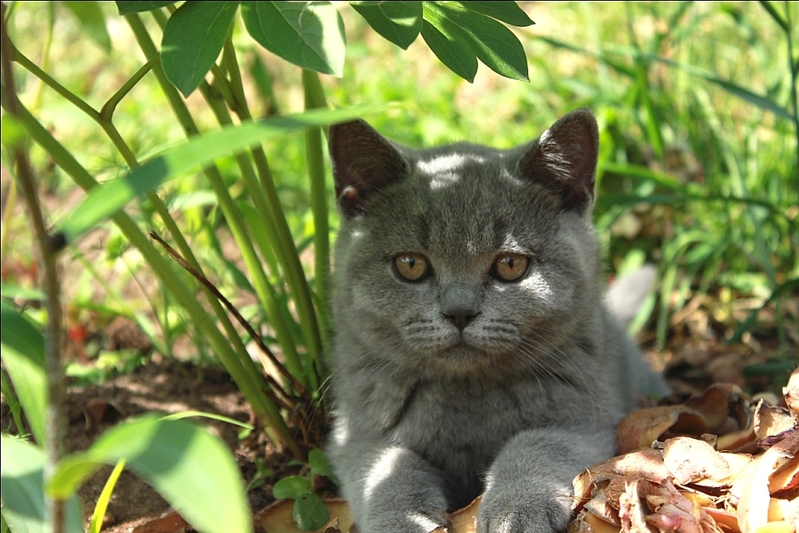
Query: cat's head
column 464, row 258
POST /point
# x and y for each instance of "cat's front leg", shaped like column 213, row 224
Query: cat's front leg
column 390, row 488
column 529, row 486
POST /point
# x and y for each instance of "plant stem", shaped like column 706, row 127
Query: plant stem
column 10, row 397
column 314, row 155
column 55, row 413
column 107, row 111
column 8, row 210
column 270, row 208
column 48, row 42
column 229, row 209
column 68, row 95
column 266, row 293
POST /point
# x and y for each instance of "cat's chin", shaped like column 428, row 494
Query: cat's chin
column 463, row 358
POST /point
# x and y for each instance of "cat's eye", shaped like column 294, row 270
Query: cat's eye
column 510, row 267
column 411, row 267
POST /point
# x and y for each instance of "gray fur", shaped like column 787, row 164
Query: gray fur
column 428, row 416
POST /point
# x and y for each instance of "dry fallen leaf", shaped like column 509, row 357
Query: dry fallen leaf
column 721, row 414
column 585, row 522
column 772, row 420
column 751, row 487
column 785, row 478
column 685, row 483
column 672, row 511
column 644, row 464
column 465, row 520
column 695, row 461
column 631, row 509
column 791, row 393
column 641, row 428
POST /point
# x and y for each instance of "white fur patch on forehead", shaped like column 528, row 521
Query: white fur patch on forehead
column 443, row 169
column 510, row 244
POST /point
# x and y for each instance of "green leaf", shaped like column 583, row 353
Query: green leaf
column 100, row 508
column 23, row 357
column 309, row 512
column 140, row 7
column 641, row 172
column 308, row 34
column 292, row 487
column 507, row 12
column 105, row 200
column 193, row 38
column 15, row 291
column 398, row 22
column 494, row 44
column 760, row 101
column 319, row 464
column 23, row 489
column 191, row 468
column 92, row 21
column 448, row 43
column 189, row 414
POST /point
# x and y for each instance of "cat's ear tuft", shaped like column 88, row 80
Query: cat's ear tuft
column 564, row 159
column 363, row 162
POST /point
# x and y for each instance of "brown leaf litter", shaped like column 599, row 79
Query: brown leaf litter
column 717, row 463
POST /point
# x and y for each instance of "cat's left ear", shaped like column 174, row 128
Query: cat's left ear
column 364, row 162
column 564, row 159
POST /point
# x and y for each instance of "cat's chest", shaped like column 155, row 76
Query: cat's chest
column 455, row 425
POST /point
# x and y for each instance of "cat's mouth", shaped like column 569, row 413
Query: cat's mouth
column 462, row 352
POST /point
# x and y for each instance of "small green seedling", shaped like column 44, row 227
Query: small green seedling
column 309, row 511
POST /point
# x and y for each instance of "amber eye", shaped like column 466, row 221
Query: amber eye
column 510, row 267
column 412, row 267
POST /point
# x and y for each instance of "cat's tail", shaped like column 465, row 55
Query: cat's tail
column 627, row 293
column 624, row 299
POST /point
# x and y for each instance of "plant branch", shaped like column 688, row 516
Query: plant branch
column 104, row 119
column 784, row 24
column 68, row 95
column 55, row 414
column 107, row 111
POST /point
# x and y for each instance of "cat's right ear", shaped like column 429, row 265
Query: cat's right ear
column 564, row 159
column 363, row 162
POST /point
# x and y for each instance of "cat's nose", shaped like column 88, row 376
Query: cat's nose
column 460, row 317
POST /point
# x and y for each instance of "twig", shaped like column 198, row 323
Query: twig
column 55, row 417
column 240, row 319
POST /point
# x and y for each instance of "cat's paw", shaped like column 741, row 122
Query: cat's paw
column 508, row 512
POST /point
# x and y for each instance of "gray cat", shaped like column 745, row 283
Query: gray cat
column 473, row 350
